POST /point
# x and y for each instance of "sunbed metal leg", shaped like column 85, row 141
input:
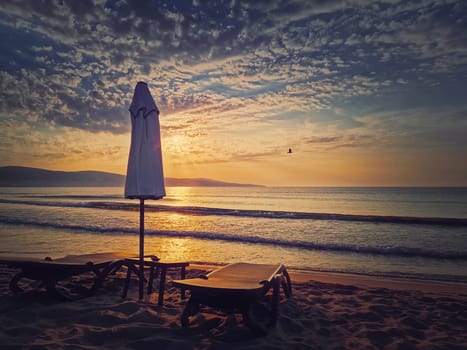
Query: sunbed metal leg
column 101, row 275
column 153, row 272
column 51, row 289
column 286, row 284
column 182, row 276
column 113, row 267
column 275, row 300
column 127, row 282
column 191, row 308
column 14, row 282
column 162, row 286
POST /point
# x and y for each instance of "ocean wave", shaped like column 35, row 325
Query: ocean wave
column 267, row 214
column 303, row 245
column 72, row 196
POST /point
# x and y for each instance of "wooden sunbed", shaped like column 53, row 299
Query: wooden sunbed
column 236, row 287
column 51, row 271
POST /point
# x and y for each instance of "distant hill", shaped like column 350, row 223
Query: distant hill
column 17, row 176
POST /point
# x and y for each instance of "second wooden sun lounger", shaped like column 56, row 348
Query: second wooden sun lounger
column 51, row 271
column 237, row 286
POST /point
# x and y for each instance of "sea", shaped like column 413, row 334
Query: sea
column 416, row 233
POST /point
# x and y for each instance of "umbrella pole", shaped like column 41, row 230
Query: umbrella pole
column 141, row 247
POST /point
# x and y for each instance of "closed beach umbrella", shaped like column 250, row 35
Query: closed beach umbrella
column 144, row 177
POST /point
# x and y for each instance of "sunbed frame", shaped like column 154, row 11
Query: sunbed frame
column 51, row 271
column 236, row 287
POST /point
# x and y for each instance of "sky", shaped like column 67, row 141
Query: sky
column 365, row 93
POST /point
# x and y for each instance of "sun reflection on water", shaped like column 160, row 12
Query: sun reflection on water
column 179, row 196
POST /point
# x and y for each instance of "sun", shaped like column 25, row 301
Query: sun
column 175, row 144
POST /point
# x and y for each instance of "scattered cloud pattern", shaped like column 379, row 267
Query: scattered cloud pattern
column 353, row 86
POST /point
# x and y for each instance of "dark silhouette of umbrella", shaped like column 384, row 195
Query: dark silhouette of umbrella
column 145, row 176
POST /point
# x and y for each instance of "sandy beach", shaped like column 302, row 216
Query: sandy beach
column 326, row 311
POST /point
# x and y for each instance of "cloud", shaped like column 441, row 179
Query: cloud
column 235, row 69
column 325, row 139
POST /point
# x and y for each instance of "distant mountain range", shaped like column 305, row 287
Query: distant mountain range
column 17, row 176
